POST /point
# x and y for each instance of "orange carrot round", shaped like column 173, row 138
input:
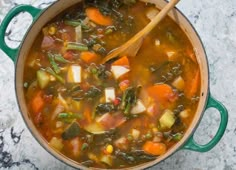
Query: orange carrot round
column 163, row 93
column 96, row 16
column 154, row 148
column 89, row 57
column 123, row 61
column 37, row 102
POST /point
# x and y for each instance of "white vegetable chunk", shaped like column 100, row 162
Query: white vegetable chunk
column 110, row 94
column 171, row 55
column 135, row 133
column 74, row 74
column 119, row 71
column 179, row 83
column 138, row 108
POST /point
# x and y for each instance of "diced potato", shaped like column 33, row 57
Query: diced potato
column 171, row 55
column 121, row 143
column 179, row 83
column 167, row 120
column 185, row 113
column 56, row 143
column 110, row 94
column 59, row 124
column 43, row 78
column 74, row 74
column 135, row 133
column 138, row 108
column 157, row 42
column 119, row 71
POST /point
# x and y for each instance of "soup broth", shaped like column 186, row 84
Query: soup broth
column 125, row 112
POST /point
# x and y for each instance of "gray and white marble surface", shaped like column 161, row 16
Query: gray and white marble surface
column 215, row 21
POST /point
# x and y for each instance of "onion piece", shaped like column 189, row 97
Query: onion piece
column 78, row 34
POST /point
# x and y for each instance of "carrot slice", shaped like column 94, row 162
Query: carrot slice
column 96, row 16
column 37, row 102
column 89, row 57
column 123, row 61
column 194, row 85
column 163, row 93
column 154, row 148
column 87, row 114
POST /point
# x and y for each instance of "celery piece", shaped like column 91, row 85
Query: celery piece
column 42, row 78
column 167, row 120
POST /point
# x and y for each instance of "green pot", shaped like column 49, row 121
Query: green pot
column 41, row 17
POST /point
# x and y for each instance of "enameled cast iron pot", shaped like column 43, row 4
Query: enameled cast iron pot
column 41, row 17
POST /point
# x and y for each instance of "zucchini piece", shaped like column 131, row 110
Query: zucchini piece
column 167, row 120
column 43, row 78
column 72, row 131
column 94, row 128
column 107, row 159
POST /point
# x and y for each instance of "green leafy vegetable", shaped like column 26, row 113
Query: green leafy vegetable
column 84, row 146
column 104, row 108
column 129, row 98
column 92, row 93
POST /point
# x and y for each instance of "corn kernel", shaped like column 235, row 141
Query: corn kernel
column 52, row 30
column 154, row 130
column 109, row 149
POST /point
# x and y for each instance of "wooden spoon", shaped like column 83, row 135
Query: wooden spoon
column 131, row 47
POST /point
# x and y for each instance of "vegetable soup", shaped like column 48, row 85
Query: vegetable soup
column 125, row 112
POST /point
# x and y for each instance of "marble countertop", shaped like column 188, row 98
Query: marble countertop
column 215, row 21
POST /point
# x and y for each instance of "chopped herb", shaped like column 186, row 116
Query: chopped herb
column 177, row 136
column 84, row 146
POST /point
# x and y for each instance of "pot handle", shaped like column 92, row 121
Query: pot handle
column 34, row 12
column 191, row 143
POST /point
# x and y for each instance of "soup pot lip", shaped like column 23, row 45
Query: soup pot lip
column 148, row 164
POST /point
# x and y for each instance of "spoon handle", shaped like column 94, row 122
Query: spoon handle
column 141, row 34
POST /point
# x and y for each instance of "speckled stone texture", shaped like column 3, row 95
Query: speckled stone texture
column 215, row 21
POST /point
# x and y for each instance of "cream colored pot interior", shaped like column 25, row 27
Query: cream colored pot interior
column 60, row 6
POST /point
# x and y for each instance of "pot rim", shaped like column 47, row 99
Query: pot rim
column 149, row 164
